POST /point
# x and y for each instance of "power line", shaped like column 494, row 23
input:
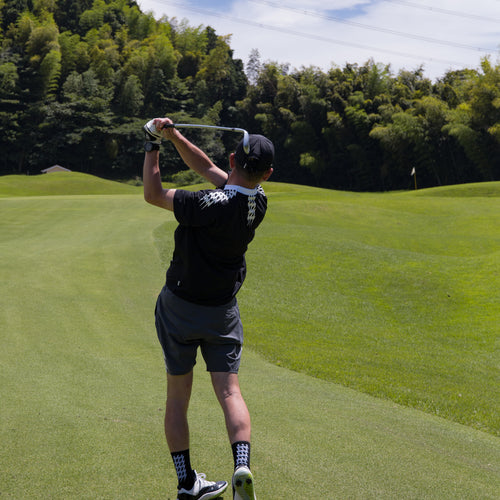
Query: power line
column 449, row 12
column 372, row 28
column 304, row 35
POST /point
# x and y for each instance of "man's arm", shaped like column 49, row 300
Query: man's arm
column 192, row 156
column 153, row 189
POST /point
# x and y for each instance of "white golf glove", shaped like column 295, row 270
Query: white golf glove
column 151, row 133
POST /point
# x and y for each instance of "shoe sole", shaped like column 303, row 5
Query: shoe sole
column 243, row 485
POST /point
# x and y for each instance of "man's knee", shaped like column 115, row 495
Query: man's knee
column 226, row 385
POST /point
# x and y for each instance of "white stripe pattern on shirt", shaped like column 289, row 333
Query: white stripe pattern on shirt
column 214, row 197
column 251, row 210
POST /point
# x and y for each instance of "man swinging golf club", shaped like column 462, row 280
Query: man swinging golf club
column 197, row 307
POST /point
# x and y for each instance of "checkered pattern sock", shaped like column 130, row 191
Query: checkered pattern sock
column 185, row 473
column 241, row 454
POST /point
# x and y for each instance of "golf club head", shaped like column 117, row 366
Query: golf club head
column 246, row 142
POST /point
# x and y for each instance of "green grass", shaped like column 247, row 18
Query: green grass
column 61, row 183
column 393, row 295
column 396, row 295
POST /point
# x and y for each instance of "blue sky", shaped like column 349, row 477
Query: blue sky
column 439, row 34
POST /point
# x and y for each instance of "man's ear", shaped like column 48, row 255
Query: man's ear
column 267, row 175
column 232, row 161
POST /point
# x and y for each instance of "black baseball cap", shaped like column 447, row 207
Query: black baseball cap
column 260, row 156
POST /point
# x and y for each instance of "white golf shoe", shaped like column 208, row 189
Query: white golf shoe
column 243, row 484
column 202, row 489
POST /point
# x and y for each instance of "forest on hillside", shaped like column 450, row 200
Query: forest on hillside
column 79, row 78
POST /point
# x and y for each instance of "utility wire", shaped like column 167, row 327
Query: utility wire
column 373, row 28
column 304, row 35
column 449, row 12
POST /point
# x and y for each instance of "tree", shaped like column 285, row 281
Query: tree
column 253, row 66
column 473, row 123
column 401, row 140
column 50, row 70
column 224, row 77
column 434, row 160
column 9, row 78
column 132, row 97
column 44, row 55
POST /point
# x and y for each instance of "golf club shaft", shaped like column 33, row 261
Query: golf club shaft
column 246, row 139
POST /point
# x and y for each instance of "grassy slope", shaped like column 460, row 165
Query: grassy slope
column 393, row 294
column 82, row 379
column 61, row 183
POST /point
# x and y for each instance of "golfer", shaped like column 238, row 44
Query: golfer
column 197, row 307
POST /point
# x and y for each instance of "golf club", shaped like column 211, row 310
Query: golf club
column 246, row 138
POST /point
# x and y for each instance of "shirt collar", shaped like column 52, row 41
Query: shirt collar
column 241, row 189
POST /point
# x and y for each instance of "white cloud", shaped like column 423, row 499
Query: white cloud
column 290, row 35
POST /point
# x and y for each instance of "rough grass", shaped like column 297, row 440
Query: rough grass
column 362, row 302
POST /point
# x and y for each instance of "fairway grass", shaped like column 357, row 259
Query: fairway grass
column 394, row 295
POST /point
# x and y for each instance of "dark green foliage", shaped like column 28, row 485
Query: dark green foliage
column 78, row 78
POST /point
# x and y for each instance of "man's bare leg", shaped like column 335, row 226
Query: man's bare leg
column 191, row 484
column 227, row 390
column 176, row 422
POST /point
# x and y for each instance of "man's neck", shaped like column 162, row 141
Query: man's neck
column 235, row 179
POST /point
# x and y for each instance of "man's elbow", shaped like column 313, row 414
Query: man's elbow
column 151, row 193
column 148, row 195
column 148, row 198
column 163, row 199
column 152, row 198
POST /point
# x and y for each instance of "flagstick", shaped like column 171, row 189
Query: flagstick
column 414, row 173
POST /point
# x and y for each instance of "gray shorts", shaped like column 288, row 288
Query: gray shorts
column 182, row 327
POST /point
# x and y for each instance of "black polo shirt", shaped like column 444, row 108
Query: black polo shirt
column 215, row 227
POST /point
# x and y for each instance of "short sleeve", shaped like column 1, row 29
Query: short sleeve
column 190, row 210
